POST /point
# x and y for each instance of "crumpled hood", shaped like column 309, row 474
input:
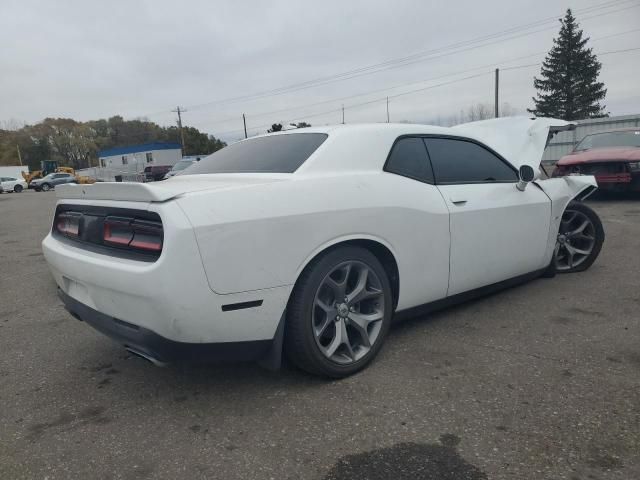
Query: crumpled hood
column 520, row 140
column 625, row 154
column 165, row 190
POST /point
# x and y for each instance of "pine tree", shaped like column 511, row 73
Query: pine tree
column 568, row 86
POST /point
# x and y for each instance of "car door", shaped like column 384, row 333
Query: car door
column 497, row 231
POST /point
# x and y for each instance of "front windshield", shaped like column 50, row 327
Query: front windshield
column 181, row 165
column 610, row 139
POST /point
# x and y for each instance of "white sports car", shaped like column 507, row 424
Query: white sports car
column 309, row 241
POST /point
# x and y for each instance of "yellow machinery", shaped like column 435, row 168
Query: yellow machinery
column 51, row 166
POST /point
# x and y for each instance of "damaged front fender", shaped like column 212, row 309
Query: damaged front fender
column 561, row 191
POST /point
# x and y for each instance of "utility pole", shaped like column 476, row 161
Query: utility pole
column 387, row 109
column 497, row 112
column 343, row 114
column 19, row 156
column 244, row 120
column 180, row 112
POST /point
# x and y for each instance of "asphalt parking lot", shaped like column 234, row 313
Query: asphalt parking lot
column 538, row 382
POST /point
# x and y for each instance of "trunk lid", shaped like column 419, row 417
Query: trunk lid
column 165, row 190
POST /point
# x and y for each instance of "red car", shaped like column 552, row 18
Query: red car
column 155, row 173
column 612, row 157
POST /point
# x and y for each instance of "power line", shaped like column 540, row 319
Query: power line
column 403, row 61
column 407, row 60
column 357, row 105
column 349, row 97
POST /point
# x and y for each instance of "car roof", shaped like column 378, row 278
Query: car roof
column 368, row 127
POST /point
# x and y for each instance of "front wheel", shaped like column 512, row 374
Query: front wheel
column 580, row 239
column 339, row 313
column 17, row 188
column 45, row 187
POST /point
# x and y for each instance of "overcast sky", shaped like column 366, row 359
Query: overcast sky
column 93, row 59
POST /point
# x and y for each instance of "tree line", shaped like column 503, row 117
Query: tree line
column 76, row 144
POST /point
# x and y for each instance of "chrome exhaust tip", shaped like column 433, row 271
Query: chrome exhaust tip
column 146, row 356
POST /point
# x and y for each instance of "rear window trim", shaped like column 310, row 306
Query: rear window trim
column 411, row 177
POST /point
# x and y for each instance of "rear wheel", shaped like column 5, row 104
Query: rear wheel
column 580, row 239
column 17, row 188
column 45, row 187
column 339, row 313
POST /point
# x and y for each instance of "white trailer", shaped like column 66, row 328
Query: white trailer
column 13, row 171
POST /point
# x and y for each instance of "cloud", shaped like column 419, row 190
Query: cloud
column 91, row 60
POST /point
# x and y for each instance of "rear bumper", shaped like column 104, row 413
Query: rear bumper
column 170, row 296
column 158, row 349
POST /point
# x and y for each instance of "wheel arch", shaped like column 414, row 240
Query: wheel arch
column 378, row 247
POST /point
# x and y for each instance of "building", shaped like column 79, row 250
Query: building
column 564, row 142
column 13, row 171
column 146, row 154
column 128, row 163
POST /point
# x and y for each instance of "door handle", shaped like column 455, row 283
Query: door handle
column 458, row 201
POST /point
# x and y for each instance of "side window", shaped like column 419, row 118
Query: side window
column 459, row 161
column 409, row 158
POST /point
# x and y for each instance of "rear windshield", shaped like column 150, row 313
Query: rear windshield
column 610, row 139
column 272, row 154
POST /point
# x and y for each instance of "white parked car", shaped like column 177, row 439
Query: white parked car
column 310, row 241
column 12, row 184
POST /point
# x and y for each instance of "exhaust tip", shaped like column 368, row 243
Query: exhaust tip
column 146, row 357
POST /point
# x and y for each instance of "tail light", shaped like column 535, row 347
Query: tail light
column 133, row 233
column 68, row 223
column 121, row 232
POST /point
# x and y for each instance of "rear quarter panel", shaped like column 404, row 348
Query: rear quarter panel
column 263, row 237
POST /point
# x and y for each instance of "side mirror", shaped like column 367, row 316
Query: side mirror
column 526, row 174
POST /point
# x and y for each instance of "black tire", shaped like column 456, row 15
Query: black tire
column 17, row 188
column 45, row 187
column 598, row 234
column 300, row 346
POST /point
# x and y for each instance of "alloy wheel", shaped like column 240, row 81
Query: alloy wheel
column 576, row 240
column 348, row 311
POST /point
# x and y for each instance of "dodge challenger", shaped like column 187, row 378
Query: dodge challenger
column 309, row 242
